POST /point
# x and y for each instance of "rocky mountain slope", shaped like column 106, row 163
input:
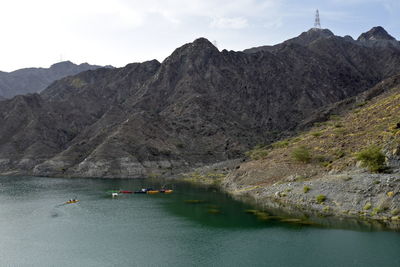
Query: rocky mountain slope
column 321, row 171
column 198, row 107
column 33, row 80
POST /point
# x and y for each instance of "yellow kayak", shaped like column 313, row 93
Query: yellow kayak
column 72, row 201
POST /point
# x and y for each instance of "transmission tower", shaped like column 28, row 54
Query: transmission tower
column 317, row 23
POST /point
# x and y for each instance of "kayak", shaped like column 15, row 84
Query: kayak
column 151, row 191
column 71, row 201
column 125, row 192
column 144, row 191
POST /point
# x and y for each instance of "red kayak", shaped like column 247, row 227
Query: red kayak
column 125, row 192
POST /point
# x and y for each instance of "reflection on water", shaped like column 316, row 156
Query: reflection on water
column 194, row 226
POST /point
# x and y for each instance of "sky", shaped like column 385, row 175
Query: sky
column 104, row 32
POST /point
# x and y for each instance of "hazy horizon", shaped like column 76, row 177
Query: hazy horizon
column 103, row 33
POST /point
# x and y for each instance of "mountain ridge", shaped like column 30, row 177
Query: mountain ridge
column 33, row 80
column 199, row 106
column 377, row 36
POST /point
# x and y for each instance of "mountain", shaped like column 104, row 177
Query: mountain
column 33, row 80
column 376, row 37
column 376, row 33
column 346, row 166
column 304, row 39
column 199, row 106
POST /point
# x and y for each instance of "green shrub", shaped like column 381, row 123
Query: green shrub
column 302, row 154
column 320, row 198
column 367, row 206
column 395, row 212
column 372, row 158
column 376, row 211
column 306, row 189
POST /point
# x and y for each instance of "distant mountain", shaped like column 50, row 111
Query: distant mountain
column 199, row 106
column 375, row 34
column 304, row 39
column 33, row 80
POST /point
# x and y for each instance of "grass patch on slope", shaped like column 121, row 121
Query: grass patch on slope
column 340, row 142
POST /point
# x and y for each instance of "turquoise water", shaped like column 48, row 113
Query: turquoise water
column 164, row 230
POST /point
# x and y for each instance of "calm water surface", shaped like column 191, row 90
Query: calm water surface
column 164, row 230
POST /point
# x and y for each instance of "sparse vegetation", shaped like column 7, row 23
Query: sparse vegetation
column 367, row 206
column 372, row 158
column 395, row 212
column 281, row 144
column 210, row 178
column 316, row 134
column 339, row 154
column 302, row 154
column 320, row 199
column 326, row 209
column 306, row 189
column 334, row 117
column 361, row 104
column 376, row 211
column 78, row 83
column 338, row 125
column 258, row 152
column 339, row 131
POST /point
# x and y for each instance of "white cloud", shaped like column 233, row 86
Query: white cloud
column 229, row 23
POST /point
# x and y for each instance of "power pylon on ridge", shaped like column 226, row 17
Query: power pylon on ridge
column 317, row 23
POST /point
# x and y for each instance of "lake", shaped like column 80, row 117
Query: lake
column 194, row 226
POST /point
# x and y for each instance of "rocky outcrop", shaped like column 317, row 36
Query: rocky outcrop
column 34, row 80
column 198, row 107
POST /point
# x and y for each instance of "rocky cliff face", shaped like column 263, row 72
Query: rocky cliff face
column 34, row 80
column 197, row 107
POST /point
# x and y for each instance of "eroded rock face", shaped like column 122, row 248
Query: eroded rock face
column 199, row 106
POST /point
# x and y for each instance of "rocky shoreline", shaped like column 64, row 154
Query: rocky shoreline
column 373, row 199
column 353, row 199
